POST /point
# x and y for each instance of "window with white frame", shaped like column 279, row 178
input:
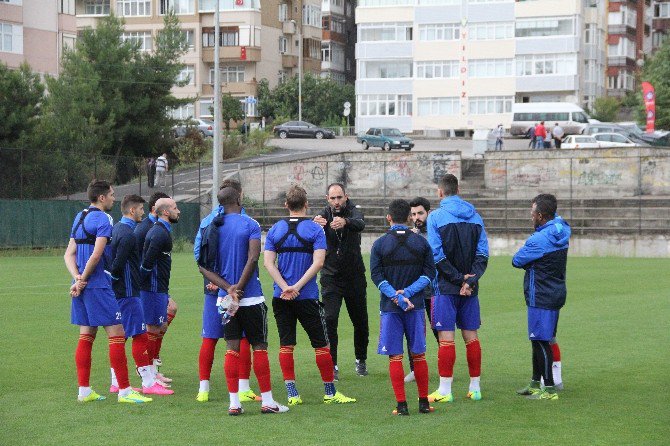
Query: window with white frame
column 69, row 41
column 189, row 36
column 282, row 76
column 386, row 69
column 377, row 105
column 12, row 2
column 11, row 38
column 390, row 32
column 283, row 12
column 437, row 69
column 311, row 15
column 490, row 1
column 187, row 74
column 404, row 105
column 228, row 5
column 182, row 113
column 440, row 31
column 312, row 48
column 337, row 77
column 438, row 106
column 387, row 2
column 179, row 6
column 622, row 81
column 283, row 45
column 490, row 68
column 624, row 16
column 483, row 105
column 131, row 8
column 325, row 52
column 545, row 27
column 491, row 31
column 590, row 71
column 624, row 48
column 590, row 33
column 96, row 7
column 229, row 74
column 66, row 7
column 546, row 64
column 206, row 107
column 662, row 10
column 439, row 2
column 143, row 37
column 657, row 39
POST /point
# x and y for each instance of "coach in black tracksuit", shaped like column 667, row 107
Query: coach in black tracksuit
column 343, row 273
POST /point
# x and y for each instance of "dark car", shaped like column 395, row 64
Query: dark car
column 301, row 129
column 386, row 138
column 630, row 130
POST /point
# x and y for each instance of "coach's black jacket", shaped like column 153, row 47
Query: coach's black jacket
column 156, row 259
column 343, row 258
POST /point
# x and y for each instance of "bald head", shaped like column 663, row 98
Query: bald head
column 166, row 209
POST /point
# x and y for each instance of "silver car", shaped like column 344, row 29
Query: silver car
column 205, row 127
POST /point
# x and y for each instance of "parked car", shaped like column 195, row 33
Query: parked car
column 386, row 138
column 205, row 127
column 615, row 140
column 629, row 130
column 580, row 142
column 301, row 129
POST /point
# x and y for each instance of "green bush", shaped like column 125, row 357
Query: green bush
column 257, row 139
column 232, row 145
column 192, row 147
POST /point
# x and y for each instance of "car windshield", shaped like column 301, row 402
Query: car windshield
column 391, row 132
column 633, row 129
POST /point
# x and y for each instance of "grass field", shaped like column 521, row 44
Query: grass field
column 614, row 335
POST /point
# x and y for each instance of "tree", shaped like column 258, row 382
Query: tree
column 606, row 109
column 231, row 109
column 22, row 94
column 656, row 71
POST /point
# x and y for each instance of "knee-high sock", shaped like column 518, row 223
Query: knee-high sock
column 117, row 359
column 474, row 355
column 231, row 367
column 158, row 344
column 421, row 374
column 245, row 359
column 82, row 359
column 286, row 363
column 139, row 349
column 556, row 351
column 397, row 374
column 446, row 358
column 206, row 358
column 151, row 345
column 537, row 366
column 262, row 370
column 543, row 359
column 325, row 364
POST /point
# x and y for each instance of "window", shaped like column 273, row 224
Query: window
column 96, row 7
column 624, row 48
column 179, row 6
column 490, row 104
column 386, row 69
column 590, row 33
column 143, row 37
column 325, row 53
column 490, row 67
column 545, row 27
column 69, row 41
column 546, row 64
column 130, row 8
column 228, row 5
column 311, row 15
column 440, row 31
column 438, row 106
column 657, row 39
column 405, row 105
column 283, row 12
column 187, row 74
column 282, row 76
column 311, row 48
column 229, row 73
column 283, row 45
column 387, row 2
column 383, row 105
column 182, row 113
column 662, row 10
column 437, row 69
column 491, row 31
column 11, row 38
column 189, row 36
column 206, row 107
column 66, row 7
column 394, row 32
column 624, row 16
column 227, row 37
column 12, row 2
column 622, row 81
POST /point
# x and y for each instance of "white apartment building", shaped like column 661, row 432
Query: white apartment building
column 429, row 65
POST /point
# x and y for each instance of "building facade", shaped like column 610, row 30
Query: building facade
column 258, row 40
column 339, row 40
column 435, row 65
column 660, row 23
column 36, row 32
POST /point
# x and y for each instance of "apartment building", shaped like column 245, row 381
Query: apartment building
column 258, row 40
column 660, row 23
column 459, row 65
column 339, row 39
column 628, row 40
column 36, row 32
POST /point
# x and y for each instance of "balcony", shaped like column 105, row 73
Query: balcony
column 310, row 65
column 234, row 88
column 289, row 61
column 288, row 27
column 232, row 54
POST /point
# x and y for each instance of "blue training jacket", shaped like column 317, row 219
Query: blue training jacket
column 544, row 256
column 457, row 237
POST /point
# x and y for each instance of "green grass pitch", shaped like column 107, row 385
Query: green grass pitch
column 614, row 335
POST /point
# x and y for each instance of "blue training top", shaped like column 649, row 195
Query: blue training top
column 293, row 264
column 96, row 224
column 141, row 231
column 157, row 259
column 125, row 267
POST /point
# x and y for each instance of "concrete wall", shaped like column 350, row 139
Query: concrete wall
column 372, row 174
column 595, row 173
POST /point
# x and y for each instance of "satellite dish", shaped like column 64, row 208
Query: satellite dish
column 347, row 105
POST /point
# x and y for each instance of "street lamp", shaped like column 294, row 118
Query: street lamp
column 299, row 69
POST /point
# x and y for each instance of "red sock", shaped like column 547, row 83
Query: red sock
column 397, row 377
column 421, row 374
column 245, row 359
column 206, row 358
column 140, row 352
column 231, row 367
column 286, row 363
column 325, row 364
column 158, row 344
column 82, row 358
column 151, row 345
column 170, row 316
column 473, row 352
column 117, row 358
column 262, row 370
column 555, row 349
column 446, row 358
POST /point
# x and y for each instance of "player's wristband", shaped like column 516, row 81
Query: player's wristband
column 401, row 302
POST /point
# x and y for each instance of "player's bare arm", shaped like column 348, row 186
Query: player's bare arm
column 269, row 261
column 253, row 255
column 215, row 279
column 318, row 257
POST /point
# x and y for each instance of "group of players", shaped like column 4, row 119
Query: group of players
column 436, row 265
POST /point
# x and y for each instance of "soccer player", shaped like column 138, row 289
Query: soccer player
column 125, row 272
column 544, row 256
column 212, row 329
column 419, row 209
column 238, row 242
column 461, row 250
column 295, row 249
column 155, row 272
column 141, row 231
column 343, row 273
column 401, row 265
column 93, row 301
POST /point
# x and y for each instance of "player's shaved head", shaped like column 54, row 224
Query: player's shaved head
column 163, row 204
column 228, row 196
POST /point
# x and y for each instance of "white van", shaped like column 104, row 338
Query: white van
column 570, row 116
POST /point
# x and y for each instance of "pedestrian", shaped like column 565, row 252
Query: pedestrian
column 558, row 134
column 151, row 171
column 540, row 135
column 343, row 273
column 544, row 256
column 161, row 169
column 263, row 123
column 547, row 140
column 499, row 133
column 531, row 134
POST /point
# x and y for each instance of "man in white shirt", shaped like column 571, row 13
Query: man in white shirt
column 499, row 133
column 558, row 134
column 161, row 169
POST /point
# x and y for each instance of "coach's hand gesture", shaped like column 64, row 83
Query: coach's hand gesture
column 320, row 220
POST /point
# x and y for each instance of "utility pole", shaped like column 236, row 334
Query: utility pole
column 296, row 24
column 216, row 180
